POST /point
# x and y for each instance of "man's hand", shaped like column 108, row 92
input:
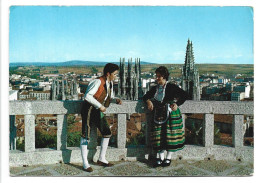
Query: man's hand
column 118, row 101
column 102, row 109
column 149, row 105
column 174, row 107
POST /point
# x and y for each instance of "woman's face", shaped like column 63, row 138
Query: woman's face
column 160, row 79
column 112, row 76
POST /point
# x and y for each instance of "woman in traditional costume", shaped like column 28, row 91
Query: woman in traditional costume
column 167, row 132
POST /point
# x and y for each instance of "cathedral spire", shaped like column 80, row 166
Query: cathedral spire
column 190, row 79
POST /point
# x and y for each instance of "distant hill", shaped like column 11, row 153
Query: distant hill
column 67, row 63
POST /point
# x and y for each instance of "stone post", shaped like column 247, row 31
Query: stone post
column 29, row 132
column 237, row 131
column 208, row 130
column 61, row 132
column 121, row 131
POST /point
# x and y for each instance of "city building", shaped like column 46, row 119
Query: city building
column 13, row 95
column 237, row 96
column 34, row 95
column 40, row 95
column 243, row 87
column 65, row 89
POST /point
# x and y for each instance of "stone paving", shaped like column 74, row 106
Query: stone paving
column 141, row 168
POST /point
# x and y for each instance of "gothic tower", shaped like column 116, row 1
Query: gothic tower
column 190, row 74
column 129, row 84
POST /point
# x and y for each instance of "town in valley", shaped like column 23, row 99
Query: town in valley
column 212, row 82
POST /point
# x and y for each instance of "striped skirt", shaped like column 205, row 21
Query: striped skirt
column 169, row 135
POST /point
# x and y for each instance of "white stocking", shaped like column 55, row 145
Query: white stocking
column 84, row 152
column 162, row 154
column 169, row 155
column 103, row 149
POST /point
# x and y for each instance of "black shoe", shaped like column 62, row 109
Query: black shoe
column 166, row 162
column 100, row 163
column 158, row 162
column 89, row 169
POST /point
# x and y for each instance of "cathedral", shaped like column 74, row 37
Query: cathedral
column 190, row 75
column 66, row 90
column 129, row 84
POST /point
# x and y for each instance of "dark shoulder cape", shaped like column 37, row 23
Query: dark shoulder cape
column 172, row 93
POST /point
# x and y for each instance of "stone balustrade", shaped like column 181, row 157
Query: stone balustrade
column 62, row 153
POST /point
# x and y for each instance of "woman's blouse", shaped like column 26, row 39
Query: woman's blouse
column 160, row 92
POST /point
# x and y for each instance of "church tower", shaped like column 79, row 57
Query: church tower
column 129, row 84
column 190, row 74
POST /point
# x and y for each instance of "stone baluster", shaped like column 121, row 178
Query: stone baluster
column 237, row 131
column 208, row 130
column 29, row 132
column 121, row 131
column 61, row 131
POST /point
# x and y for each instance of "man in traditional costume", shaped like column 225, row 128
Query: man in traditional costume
column 97, row 98
column 167, row 132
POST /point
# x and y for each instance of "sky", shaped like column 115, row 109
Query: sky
column 156, row 34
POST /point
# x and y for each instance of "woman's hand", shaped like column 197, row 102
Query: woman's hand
column 174, row 107
column 149, row 105
column 102, row 109
column 118, row 101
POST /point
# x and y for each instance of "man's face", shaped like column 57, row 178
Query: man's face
column 112, row 76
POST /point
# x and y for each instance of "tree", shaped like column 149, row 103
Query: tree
column 94, row 70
